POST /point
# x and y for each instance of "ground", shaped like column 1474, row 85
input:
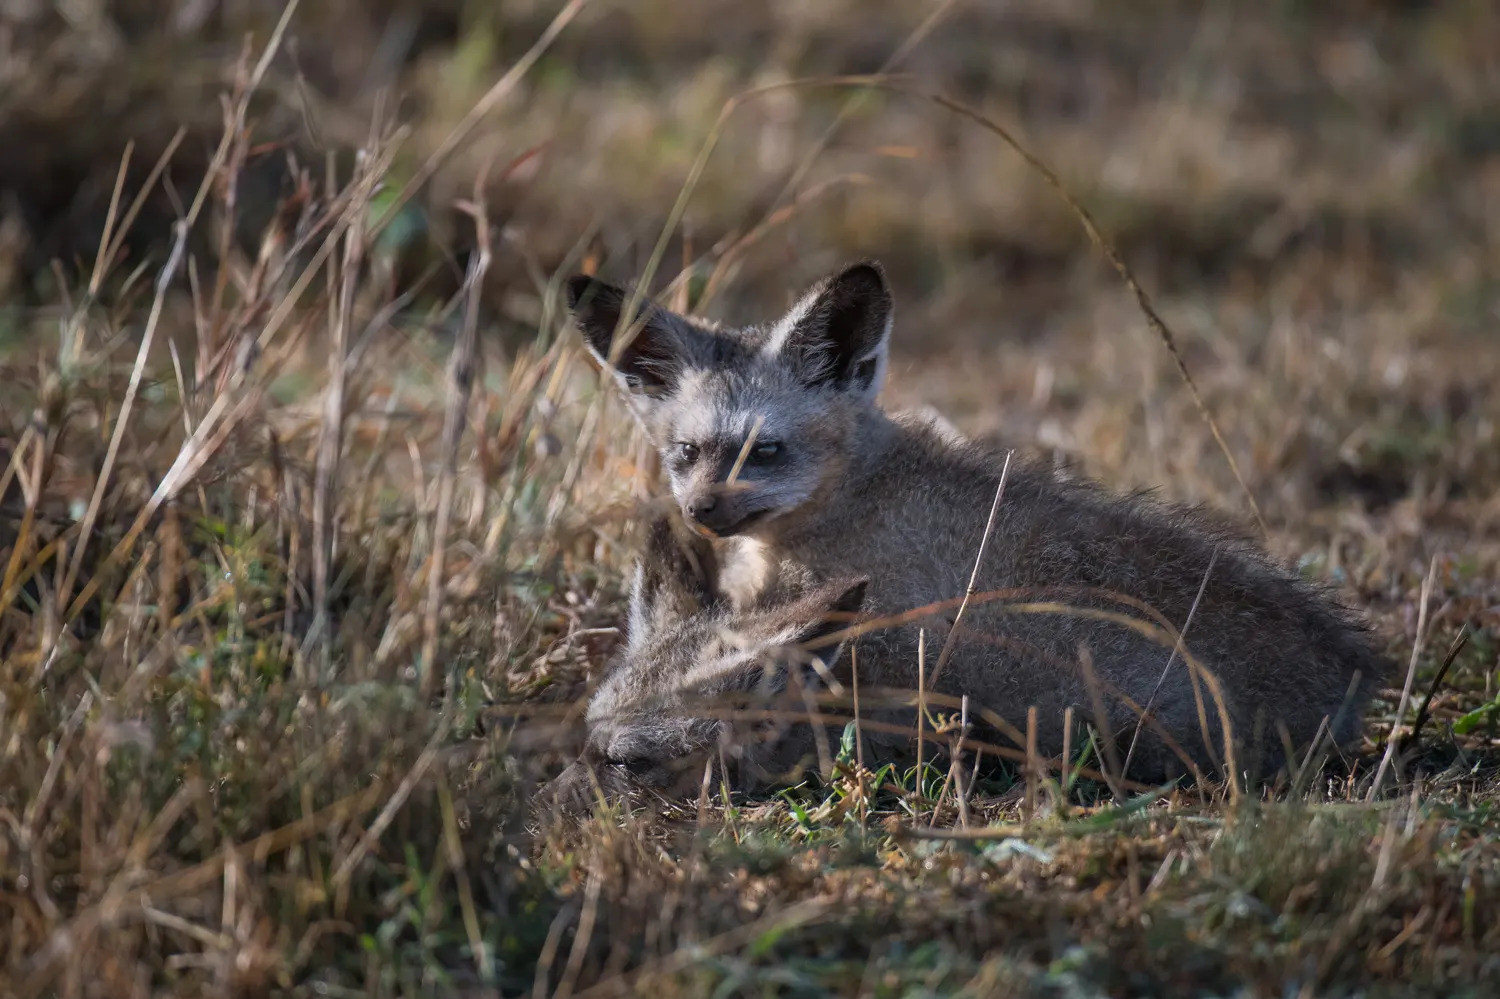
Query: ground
column 315, row 520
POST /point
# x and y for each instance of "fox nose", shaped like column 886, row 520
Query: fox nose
column 702, row 507
column 718, row 518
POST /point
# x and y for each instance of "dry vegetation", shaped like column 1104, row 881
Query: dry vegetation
column 313, row 519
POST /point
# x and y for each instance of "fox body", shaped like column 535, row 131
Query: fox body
column 775, row 446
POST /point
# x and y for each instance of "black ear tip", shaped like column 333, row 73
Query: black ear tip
column 867, row 276
column 853, row 598
column 849, row 600
column 578, row 286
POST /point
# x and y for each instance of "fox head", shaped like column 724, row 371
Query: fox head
column 666, row 706
column 753, row 424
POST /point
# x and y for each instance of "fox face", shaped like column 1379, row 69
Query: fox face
column 668, row 704
column 753, row 424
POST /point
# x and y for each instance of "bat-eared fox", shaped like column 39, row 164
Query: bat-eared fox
column 1170, row 632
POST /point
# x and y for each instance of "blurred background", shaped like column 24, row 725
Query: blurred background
column 1309, row 191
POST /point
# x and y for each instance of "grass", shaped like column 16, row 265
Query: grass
column 288, row 637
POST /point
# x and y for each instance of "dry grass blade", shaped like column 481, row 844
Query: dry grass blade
column 625, row 333
column 36, row 808
column 629, row 324
column 1157, row 629
column 164, row 279
column 484, row 960
column 581, row 940
column 110, row 218
column 1460, row 641
column 409, row 783
column 1143, row 301
column 977, row 834
column 455, row 419
column 934, row 17
column 745, row 449
column 112, row 254
column 1392, row 742
column 921, row 703
column 120, row 900
column 491, row 99
column 792, row 917
column 1033, row 765
column 331, row 432
column 35, row 443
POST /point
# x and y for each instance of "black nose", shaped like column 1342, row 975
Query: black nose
column 701, row 507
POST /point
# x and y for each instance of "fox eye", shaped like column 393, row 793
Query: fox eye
column 687, row 452
column 633, row 765
column 766, row 450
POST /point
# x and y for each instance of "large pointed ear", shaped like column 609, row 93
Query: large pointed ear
column 839, row 333
column 674, row 578
column 648, row 359
column 821, row 617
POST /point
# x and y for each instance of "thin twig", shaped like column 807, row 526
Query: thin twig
column 331, row 435
column 989, row 527
column 1457, row 646
column 1110, row 764
column 921, row 699
column 739, row 460
column 1032, row 767
column 1142, row 300
column 963, row 786
column 1171, row 659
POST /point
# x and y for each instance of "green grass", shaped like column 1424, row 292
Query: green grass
column 248, row 747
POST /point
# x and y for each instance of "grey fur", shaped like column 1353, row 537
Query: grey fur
column 852, row 491
column 687, row 650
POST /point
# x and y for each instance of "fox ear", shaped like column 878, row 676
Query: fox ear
column 838, row 335
column 648, row 360
column 826, row 612
column 674, row 578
